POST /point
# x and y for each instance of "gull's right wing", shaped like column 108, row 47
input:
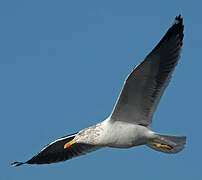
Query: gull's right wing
column 145, row 85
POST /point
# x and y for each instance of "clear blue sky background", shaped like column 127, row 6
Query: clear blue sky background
column 62, row 65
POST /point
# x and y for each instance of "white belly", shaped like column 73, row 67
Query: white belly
column 125, row 135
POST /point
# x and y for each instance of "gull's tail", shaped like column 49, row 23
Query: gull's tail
column 167, row 144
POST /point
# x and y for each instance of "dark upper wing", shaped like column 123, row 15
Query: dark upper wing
column 55, row 152
column 145, row 85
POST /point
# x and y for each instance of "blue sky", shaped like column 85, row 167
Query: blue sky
column 62, row 66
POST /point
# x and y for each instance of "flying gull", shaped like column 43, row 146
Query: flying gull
column 130, row 121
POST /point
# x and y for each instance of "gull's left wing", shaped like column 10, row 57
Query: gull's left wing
column 145, row 85
column 56, row 151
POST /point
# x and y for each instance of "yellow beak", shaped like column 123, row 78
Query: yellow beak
column 69, row 143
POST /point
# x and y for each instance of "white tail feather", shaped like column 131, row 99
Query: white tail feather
column 167, row 144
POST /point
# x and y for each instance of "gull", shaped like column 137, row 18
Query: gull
column 129, row 124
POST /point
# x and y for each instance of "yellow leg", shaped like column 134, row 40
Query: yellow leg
column 164, row 146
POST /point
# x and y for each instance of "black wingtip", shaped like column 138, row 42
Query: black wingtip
column 178, row 17
column 17, row 164
column 178, row 20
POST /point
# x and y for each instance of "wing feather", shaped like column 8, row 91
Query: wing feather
column 55, row 152
column 145, row 85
